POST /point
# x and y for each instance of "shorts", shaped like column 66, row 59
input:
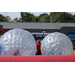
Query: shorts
column 38, row 53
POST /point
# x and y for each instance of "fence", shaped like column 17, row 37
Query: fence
column 38, row 58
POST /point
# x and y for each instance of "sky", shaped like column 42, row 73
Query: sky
column 17, row 14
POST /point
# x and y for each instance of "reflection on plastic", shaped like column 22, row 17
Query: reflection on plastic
column 56, row 44
column 18, row 39
column 1, row 46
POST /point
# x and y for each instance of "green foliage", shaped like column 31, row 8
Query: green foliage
column 15, row 19
column 7, row 19
column 27, row 17
column 1, row 18
column 36, row 19
column 53, row 17
column 44, row 18
column 61, row 17
column 4, row 19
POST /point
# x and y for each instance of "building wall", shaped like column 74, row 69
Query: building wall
column 39, row 27
column 30, row 25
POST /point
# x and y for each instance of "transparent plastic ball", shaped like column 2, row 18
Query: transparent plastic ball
column 18, row 39
column 1, row 46
column 56, row 44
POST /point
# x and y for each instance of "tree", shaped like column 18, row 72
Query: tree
column 54, row 16
column 30, row 17
column 74, row 18
column 66, row 17
column 36, row 19
column 4, row 19
column 27, row 17
column 61, row 17
column 1, row 18
column 22, row 16
column 19, row 20
column 7, row 19
column 44, row 17
column 15, row 19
